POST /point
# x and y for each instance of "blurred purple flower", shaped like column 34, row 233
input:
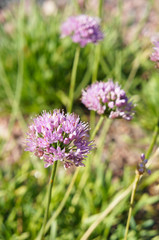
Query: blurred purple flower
column 142, row 166
column 58, row 136
column 109, row 99
column 155, row 55
column 82, row 29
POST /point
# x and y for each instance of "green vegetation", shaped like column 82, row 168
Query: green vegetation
column 35, row 72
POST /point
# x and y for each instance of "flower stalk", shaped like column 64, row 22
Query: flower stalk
column 96, row 64
column 137, row 179
column 73, row 79
column 62, row 203
column 100, row 8
column 96, row 129
column 94, row 78
column 52, row 179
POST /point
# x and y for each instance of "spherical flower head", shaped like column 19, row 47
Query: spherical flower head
column 155, row 55
column 54, row 136
column 142, row 165
column 109, row 99
column 82, row 29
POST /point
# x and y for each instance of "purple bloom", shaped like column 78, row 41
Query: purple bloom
column 108, row 98
column 58, row 136
column 142, row 166
column 82, row 29
column 155, row 55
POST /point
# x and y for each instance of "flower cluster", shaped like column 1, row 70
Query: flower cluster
column 82, row 29
column 155, row 55
column 58, row 136
column 109, row 99
column 142, row 166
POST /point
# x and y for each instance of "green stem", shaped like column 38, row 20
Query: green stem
column 98, row 47
column 92, row 120
column 154, row 138
column 62, row 203
column 73, row 79
column 137, row 178
column 96, row 65
column 100, row 8
column 97, row 127
column 86, row 78
column 77, row 7
column 86, row 173
column 94, row 78
column 52, row 179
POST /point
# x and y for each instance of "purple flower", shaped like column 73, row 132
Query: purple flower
column 155, row 55
column 108, row 98
column 58, row 136
column 82, row 29
column 142, row 166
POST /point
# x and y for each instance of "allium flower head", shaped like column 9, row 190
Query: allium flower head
column 142, row 166
column 155, row 55
column 82, row 29
column 58, row 136
column 109, row 99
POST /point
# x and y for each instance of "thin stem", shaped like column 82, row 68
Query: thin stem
column 52, row 178
column 76, row 4
column 85, row 176
column 96, row 62
column 94, row 78
column 96, row 65
column 92, row 120
column 100, row 8
column 62, row 204
column 86, row 78
column 73, row 79
column 137, row 178
column 97, row 127
column 154, row 138
column 98, row 47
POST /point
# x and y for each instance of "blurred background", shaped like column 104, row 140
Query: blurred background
column 35, row 70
